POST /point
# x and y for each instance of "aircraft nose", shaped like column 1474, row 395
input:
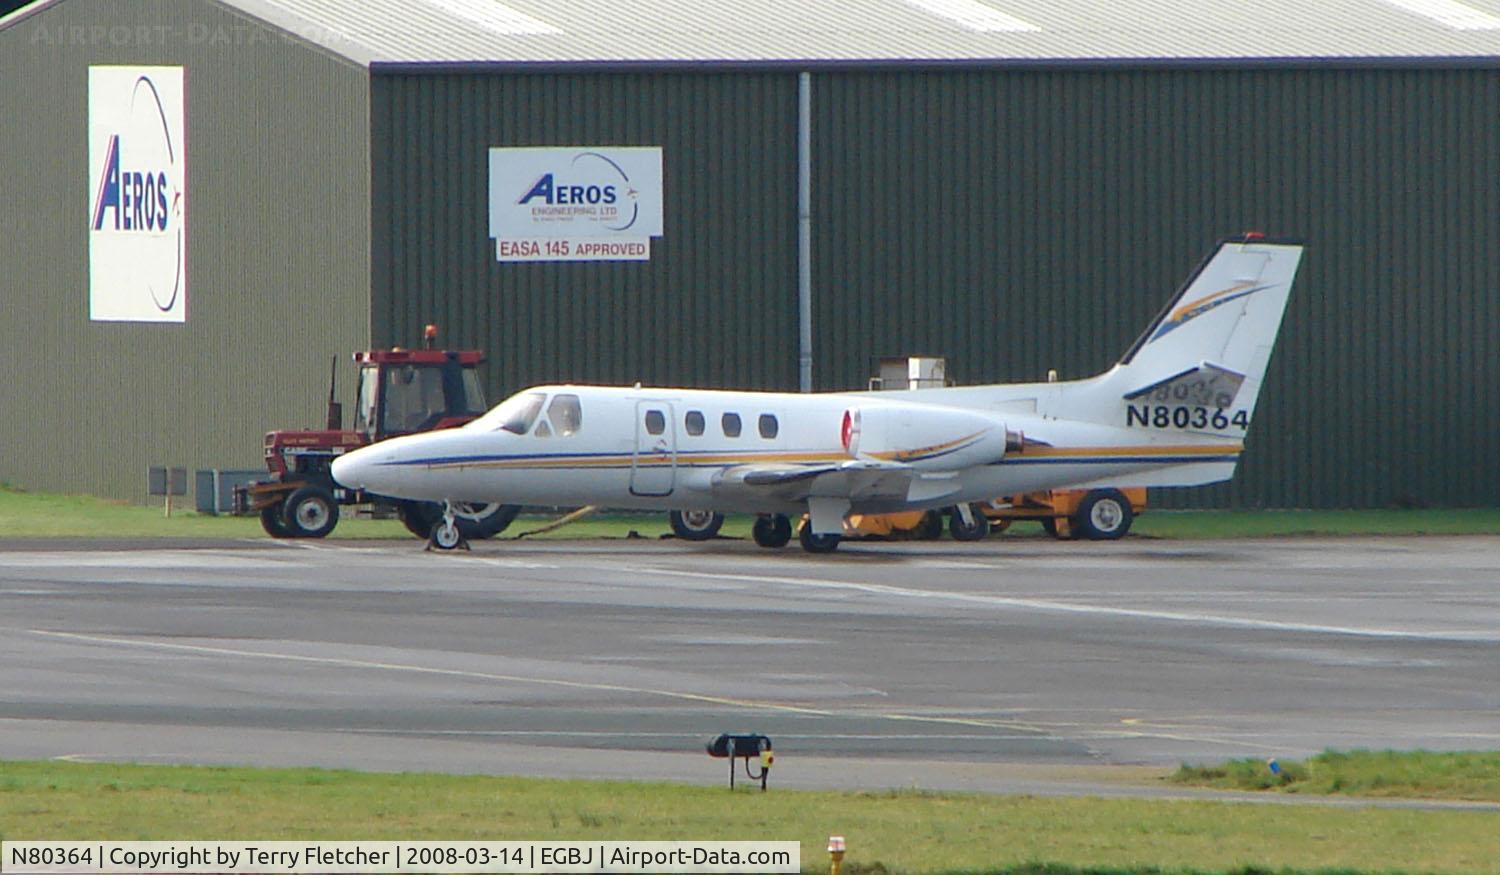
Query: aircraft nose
column 353, row 470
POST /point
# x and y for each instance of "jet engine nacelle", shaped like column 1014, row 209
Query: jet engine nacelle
column 929, row 438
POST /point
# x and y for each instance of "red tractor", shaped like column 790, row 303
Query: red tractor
column 401, row 391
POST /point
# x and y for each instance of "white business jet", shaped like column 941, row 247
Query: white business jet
column 1173, row 412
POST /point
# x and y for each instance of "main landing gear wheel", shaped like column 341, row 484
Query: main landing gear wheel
column 310, row 512
column 695, row 525
column 1104, row 515
column 772, row 531
column 272, row 521
column 818, row 543
column 974, row 529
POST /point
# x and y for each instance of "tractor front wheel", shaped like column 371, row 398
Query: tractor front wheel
column 311, row 512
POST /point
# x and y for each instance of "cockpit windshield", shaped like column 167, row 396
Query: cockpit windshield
column 514, row 414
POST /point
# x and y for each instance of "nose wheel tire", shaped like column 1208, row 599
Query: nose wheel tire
column 446, row 536
column 695, row 525
column 772, row 531
column 1104, row 515
column 818, row 543
column 310, row 512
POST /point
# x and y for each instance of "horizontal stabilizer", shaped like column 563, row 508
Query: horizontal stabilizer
column 1207, row 385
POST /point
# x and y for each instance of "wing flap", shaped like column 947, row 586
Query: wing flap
column 854, row 479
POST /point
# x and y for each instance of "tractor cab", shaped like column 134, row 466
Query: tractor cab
column 402, row 391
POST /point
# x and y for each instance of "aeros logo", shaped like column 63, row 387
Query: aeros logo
column 598, row 190
column 138, row 201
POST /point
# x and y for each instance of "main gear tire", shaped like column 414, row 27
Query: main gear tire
column 695, row 525
column 772, row 531
column 814, row 543
column 974, row 531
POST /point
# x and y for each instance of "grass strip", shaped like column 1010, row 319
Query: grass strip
column 1282, row 523
column 1408, row 774
column 887, row 832
column 44, row 515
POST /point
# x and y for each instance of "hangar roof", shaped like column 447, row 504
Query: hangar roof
column 860, row 32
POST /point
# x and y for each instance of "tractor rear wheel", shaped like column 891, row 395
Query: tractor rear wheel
column 475, row 521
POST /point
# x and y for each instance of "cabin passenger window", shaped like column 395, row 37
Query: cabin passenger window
column 768, row 426
column 656, row 423
column 731, row 424
column 694, row 422
column 566, row 413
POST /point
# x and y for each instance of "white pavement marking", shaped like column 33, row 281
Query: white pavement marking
column 421, row 669
column 1460, row 635
column 1035, row 729
column 584, row 733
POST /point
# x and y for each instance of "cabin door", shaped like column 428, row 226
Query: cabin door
column 653, row 468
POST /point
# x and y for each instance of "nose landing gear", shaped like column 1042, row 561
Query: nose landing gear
column 445, row 533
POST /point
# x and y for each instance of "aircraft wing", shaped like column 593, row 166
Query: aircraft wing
column 855, row 479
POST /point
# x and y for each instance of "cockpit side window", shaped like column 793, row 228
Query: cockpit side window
column 566, row 413
column 515, row 414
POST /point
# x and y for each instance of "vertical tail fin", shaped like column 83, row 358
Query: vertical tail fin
column 1208, row 350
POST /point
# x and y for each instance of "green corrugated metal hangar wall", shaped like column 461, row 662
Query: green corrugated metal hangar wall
column 1014, row 221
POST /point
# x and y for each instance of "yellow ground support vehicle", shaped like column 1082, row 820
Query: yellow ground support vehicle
column 1067, row 514
column 1095, row 514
